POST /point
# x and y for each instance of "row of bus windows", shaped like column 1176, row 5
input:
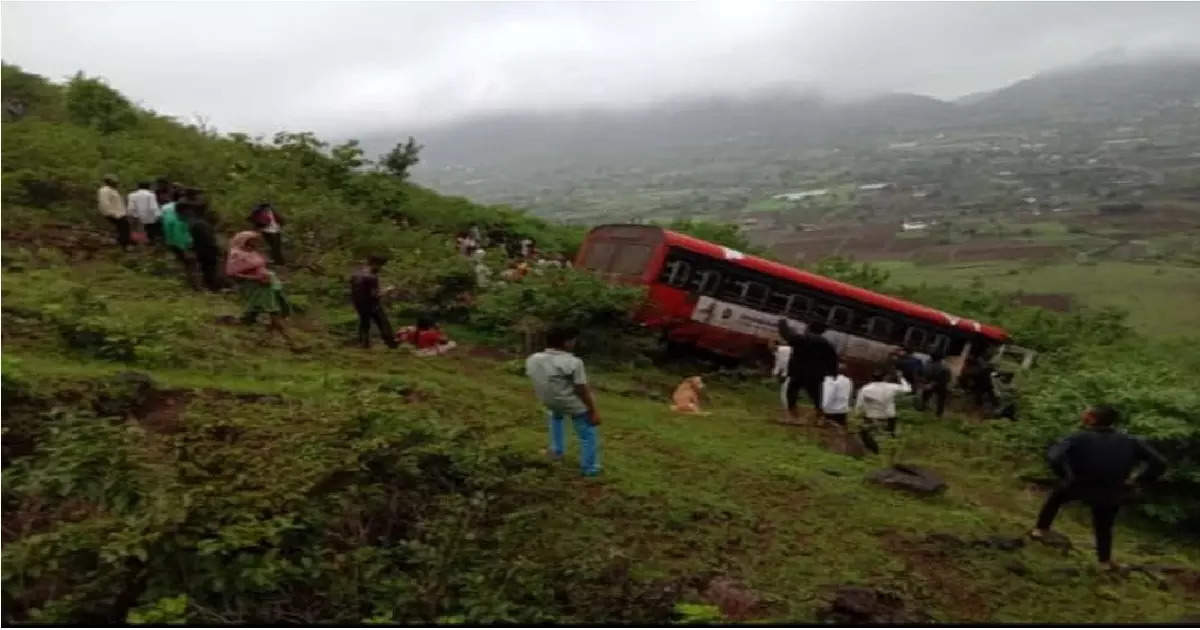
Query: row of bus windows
column 737, row 285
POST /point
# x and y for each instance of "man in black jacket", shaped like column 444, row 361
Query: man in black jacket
column 364, row 294
column 1095, row 465
column 813, row 358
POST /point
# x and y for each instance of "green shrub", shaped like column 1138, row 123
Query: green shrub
column 601, row 311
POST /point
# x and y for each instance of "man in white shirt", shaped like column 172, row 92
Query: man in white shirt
column 783, row 354
column 835, row 396
column 877, row 403
column 112, row 207
column 143, row 206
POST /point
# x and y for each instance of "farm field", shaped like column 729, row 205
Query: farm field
column 1162, row 300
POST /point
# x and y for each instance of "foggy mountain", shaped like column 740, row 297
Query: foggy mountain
column 1106, row 89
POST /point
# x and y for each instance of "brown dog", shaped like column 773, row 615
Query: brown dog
column 686, row 398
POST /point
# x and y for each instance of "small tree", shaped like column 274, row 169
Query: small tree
column 91, row 103
column 403, row 157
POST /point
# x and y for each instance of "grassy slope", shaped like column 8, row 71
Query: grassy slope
column 730, row 492
column 1162, row 300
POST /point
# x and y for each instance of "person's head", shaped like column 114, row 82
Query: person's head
column 817, row 328
column 191, row 193
column 842, row 368
column 161, row 183
column 561, row 338
column 110, row 180
column 262, row 206
column 183, row 209
column 143, row 185
column 1101, row 416
column 879, row 376
column 425, row 322
column 376, row 262
column 176, row 195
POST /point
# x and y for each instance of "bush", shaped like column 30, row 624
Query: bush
column 602, row 312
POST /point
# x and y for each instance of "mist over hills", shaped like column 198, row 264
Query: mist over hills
column 1103, row 90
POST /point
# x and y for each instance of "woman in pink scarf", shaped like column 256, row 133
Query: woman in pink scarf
column 259, row 286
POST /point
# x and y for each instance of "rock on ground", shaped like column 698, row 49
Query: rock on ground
column 910, row 478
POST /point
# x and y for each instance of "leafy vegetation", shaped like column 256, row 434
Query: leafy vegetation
column 161, row 467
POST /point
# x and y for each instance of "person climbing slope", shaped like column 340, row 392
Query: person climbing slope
column 259, row 286
column 560, row 383
column 178, row 238
column 1095, row 465
column 835, row 396
column 143, row 206
column 112, row 208
column 269, row 224
column 877, row 403
column 204, row 240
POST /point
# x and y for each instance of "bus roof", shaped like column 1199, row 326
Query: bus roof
column 829, row 285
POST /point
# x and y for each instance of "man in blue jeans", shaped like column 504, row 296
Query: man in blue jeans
column 560, row 382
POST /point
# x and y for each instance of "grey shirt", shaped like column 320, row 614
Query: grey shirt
column 555, row 373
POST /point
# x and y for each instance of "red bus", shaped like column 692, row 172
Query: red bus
column 727, row 302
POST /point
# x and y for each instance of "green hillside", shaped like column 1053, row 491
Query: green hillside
column 163, row 466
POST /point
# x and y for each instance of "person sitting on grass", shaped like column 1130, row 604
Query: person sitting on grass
column 260, row 287
column 560, row 383
column 426, row 338
column 877, row 403
column 1095, row 465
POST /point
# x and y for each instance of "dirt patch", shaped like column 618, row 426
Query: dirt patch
column 939, row 564
column 736, row 601
column 162, row 410
column 1060, row 302
column 75, row 242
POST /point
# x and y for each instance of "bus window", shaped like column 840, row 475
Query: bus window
column 598, row 256
column 879, row 327
column 754, row 294
column 940, row 345
column 915, row 337
column 676, row 273
column 779, row 302
column 840, row 317
column 630, row 259
column 706, row 282
column 799, row 306
column 820, row 311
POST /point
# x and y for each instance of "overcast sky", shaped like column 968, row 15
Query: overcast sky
column 341, row 68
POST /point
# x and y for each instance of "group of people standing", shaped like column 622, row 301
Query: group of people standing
column 1094, row 465
column 178, row 218
column 808, row 362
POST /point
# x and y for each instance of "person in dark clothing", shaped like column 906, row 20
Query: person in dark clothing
column 204, row 240
column 813, row 358
column 269, row 223
column 977, row 381
column 936, row 382
column 364, row 293
column 911, row 366
column 1095, row 465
